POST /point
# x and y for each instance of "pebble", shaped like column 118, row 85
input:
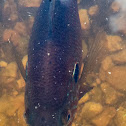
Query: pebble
column 91, row 78
column 78, row 1
column 96, row 95
column 3, row 64
column 21, row 120
column 10, row 70
column 85, row 98
column 3, row 119
column 10, row 11
column 120, row 118
column 116, row 76
column 111, row 95
column 93, row 10
column 11, row 35
column 102, row 74
column 98, row 81
column 119, row 58
column 107, row 63
column 84, row 19
column 114, row 43
column 92, row 108
column 105, row 117
column 21, row 83
column 115, row 6
column 14, row 104
column 20, row 28
column 7, row 34
column 30, row 3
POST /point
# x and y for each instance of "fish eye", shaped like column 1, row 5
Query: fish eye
column 68, row 117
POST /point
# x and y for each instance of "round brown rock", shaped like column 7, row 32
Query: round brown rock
column 116, row 76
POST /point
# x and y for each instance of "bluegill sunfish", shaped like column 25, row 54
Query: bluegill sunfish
column 54, row 63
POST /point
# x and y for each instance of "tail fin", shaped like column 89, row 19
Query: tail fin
column 96, row 53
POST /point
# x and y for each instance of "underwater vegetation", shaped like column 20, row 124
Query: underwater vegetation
column 104, row 56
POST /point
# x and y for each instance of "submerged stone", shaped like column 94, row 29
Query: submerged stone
column 116, row 76
column 105, row 117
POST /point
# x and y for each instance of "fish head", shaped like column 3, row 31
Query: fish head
column 48, row 117
column 38, row 114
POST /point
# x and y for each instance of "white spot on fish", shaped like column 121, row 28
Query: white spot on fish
column 68, row 25
column 36, row 107
column 39, row 104
column 53, row 116
column 70, row 71
column 106, row 19
column 55, row 98
column 48, row 54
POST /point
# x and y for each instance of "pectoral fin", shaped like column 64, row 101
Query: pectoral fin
column 18, row 60
column 95, row 55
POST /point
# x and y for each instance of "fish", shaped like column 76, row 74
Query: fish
column 55, row 68
column 54, row 64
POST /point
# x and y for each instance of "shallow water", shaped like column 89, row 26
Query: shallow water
column 103, row 30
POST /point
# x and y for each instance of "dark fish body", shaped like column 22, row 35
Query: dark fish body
column 55, row 52
column 1, row 10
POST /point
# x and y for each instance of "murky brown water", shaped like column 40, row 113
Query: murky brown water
column 104, row 42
